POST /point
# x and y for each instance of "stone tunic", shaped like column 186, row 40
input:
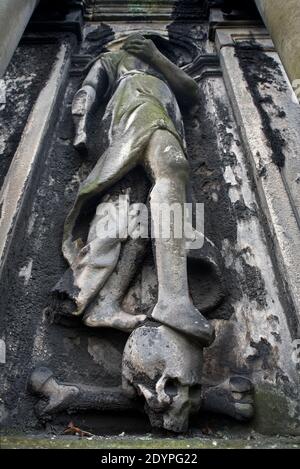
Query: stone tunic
column 140, row 103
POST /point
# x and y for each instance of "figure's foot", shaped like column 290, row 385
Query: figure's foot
column 58, row 395
column 112, row 315
column 234, row 397
column 185, row 318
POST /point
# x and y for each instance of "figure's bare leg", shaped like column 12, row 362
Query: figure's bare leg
column 58, row 397
column 107, row 311
column 168, row 167
column 234, row 398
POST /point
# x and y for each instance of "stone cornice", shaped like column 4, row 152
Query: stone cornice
column 137, row 10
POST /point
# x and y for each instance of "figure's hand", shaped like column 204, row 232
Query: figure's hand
column 81, row 106
column 144, row 49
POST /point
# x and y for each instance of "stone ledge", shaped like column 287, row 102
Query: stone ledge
column 135, row 10
column 28, row 152
column 146, row 442
column 277, row 190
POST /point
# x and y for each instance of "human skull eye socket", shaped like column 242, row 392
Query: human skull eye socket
column 195, row 391
column 171, row 387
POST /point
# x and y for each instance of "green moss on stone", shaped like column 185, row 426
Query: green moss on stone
column 273, row 412
column 18, row 442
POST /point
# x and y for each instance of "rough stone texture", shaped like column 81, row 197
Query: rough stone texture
column 253, row 335
column 277, row 188
column 258, row 315
column 25, row 160
column 136, row 10
column 22, row 82
column 276, row 212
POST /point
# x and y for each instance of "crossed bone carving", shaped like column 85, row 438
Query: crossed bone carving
column 233, row 397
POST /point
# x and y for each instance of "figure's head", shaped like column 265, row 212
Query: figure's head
column 165, row 368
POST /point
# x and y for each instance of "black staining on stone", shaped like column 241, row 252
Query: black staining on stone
column 266, row 100
column 261, row 69
column 62, row 306
column 262, row 172
column 288, row 389
column 150, row 322
column 249, row 281
column 205, row 283
column 281, row 114
column 253, row 285
column 58, row 15
column 236, row 9
column 49, row 200
column 189, row 9
column 226, row 137
column 65, row 287
column 207, row 167
column 186, row 8
column 207, row 177
column 263, row 354
column 97, row 39
column 65, row 348
column 188, row 40
column 273, row 318
column 243, row 212
column 277, row 337
column 54, row 9
column 24, row 79
column 277, row 144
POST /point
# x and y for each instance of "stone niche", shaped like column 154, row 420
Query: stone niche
column 248, row 293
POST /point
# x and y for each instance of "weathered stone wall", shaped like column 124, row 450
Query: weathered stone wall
column 256, row 323
column 21, row 84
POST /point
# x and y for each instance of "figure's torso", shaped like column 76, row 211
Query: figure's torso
column 129, row 63
column 136, row 84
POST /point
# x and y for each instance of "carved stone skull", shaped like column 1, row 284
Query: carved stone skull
column 166, row 368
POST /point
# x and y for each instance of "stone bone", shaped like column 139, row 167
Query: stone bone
column 234, row 397
column 57, row 396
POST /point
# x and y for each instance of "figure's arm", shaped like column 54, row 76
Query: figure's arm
column 91, row 91
column 183, row 86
